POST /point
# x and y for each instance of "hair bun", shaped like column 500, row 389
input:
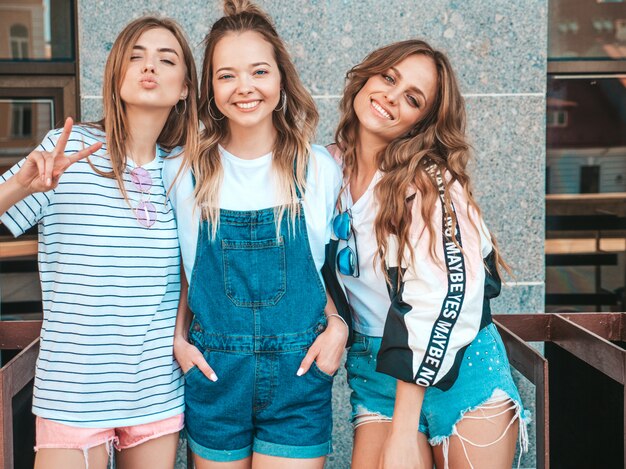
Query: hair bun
column 237, row 7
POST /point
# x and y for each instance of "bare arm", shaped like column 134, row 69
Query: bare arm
column 408, row 405
column 41, row 170
column 400, row 450
column 187, row 355
column 11, row 192
column 328, row 348
column 183, row 315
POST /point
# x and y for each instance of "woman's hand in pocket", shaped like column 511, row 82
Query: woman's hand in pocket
column 187, row 355
column 327, row 349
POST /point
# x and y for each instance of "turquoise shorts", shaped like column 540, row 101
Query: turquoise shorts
column 485, row 370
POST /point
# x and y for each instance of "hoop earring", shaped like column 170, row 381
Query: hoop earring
column 283, row 101
column 184, row 109
column 211, row 114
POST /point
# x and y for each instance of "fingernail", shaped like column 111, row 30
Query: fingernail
column 213, row 377
column 300, row 372
column 48, row 181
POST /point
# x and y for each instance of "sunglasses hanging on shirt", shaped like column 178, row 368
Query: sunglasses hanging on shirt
column 347, row 258
column 145, row 211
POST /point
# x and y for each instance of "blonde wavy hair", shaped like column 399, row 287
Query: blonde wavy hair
column 437, row 138
column 181, row 126
column 295, row 125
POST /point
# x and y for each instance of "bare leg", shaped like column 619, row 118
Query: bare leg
column 263, row 461
column 368, row 443
column 201, row 463
column 159, row 453
column 486, row 439
column 52, row 458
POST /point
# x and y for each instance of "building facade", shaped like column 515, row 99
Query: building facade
column 498, row 49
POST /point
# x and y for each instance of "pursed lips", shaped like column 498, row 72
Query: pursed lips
column 148, row 82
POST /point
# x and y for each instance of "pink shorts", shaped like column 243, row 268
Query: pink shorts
column 50, row 434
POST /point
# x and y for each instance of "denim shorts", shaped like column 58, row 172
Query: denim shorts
column 258, row 404
column 485, row 369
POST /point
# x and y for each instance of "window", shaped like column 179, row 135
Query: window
column 21, row 123
column 19, row 42
column 556, row 118
column 587, row 29
column 589, row 179
column 37, row 31
column 38, row 76
column 586, row 126
column 38, row 73
column 586, row 155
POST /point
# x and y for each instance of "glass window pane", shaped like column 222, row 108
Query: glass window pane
column 587, row 29
column 586, row 193
column 36, row 30
column 23, row 124
column 586, row 128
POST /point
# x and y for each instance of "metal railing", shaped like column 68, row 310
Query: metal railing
column 588, row 336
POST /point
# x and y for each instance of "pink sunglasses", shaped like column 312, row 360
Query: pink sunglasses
column 145, row 212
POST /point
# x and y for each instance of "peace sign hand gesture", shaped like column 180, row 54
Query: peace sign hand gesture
column 42, row 169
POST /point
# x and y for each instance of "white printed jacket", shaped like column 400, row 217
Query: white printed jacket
column 440, row 304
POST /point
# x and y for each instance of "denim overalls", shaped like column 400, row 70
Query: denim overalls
column 259, row 304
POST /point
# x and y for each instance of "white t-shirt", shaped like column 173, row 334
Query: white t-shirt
column 247, row 184
column 251, row 185
column 367, row 294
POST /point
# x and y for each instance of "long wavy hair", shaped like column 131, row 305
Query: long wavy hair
column 295, row 124
column 181, row 126
column 438, row 138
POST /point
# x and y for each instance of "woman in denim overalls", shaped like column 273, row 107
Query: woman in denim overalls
column 253, row 226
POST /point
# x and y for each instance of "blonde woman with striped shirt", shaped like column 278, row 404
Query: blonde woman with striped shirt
column 109, row 260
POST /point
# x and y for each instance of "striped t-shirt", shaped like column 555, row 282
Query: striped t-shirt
column 110, row 292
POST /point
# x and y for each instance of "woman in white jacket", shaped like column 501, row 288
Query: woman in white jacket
column 419, row 267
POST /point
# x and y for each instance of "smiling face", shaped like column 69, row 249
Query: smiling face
column 155, row 73
column 392, row 102
column 246, row 80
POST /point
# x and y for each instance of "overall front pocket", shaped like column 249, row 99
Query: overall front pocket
column 254, row 271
